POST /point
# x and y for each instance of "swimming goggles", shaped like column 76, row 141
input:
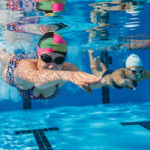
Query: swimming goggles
column 134, row 71
column 48, row 59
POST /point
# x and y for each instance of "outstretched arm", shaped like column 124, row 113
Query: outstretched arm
column 146, row 75
column 27, row 71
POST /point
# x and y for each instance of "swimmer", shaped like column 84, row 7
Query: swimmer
column 121, row 78
column 43, row 77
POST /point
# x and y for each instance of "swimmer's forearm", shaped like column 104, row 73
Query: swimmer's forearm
column 27, row 72
column 52, row 77
column 41, row 77
column 146, row 75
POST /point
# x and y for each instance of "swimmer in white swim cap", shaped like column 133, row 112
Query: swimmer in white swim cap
column 127, row 77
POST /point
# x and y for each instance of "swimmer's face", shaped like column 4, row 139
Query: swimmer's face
column 136, row 72
column 52, row 61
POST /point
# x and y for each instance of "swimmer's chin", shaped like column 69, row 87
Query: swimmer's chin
column 52, row 69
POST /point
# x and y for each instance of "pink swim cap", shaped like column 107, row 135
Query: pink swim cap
column 52, row 42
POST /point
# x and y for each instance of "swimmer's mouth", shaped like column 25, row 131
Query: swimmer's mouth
column 138, row 76
column 54, row 68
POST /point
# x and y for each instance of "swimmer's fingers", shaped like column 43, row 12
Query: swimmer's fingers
column 84, row 79
column 133, row 87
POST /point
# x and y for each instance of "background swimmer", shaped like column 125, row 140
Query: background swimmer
column 42, row 77
column 121, row 78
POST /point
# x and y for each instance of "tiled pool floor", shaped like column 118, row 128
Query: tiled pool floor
column 99, row 127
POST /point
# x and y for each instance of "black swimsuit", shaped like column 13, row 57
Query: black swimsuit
column 114, row 83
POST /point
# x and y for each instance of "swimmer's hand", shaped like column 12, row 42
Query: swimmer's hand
column 83, row 79
column 129, row 83
column 97, row 85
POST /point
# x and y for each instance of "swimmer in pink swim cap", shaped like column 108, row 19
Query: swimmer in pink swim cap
column 43, row 77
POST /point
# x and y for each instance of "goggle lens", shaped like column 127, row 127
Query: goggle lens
column 136, row 71
column 48, row 59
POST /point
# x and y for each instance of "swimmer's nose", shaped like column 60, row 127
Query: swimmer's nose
column 51, row 67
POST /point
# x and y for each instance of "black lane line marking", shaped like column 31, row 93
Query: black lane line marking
column 40, row 137
column 26, row 104
column 145, row 124
column 105, row 95
column 105, row 90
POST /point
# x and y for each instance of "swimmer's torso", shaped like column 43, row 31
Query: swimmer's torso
column 45, row 90
column 114, row 78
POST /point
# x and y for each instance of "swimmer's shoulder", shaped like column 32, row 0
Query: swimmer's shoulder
column 120, row 71
column 25, row 63
column 70, row 67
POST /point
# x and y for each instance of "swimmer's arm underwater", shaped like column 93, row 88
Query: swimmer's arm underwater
column 27, row 71
column 72, row 67
column 146, row 75
column 119, row 77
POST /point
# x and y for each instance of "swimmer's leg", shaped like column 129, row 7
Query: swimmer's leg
column 5, row 55
column 2, row 52
column 102, row 66
column 94, row 65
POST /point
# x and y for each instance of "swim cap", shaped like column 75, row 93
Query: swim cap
column 133, row 60
column 50, row 6
column 52, row 42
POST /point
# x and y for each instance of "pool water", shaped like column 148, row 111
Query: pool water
column 76, row 120
column 92, row 127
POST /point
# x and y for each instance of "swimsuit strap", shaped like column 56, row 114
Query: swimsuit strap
column 114, row 84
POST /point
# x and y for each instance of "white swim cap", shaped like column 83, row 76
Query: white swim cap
column 133, row 60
